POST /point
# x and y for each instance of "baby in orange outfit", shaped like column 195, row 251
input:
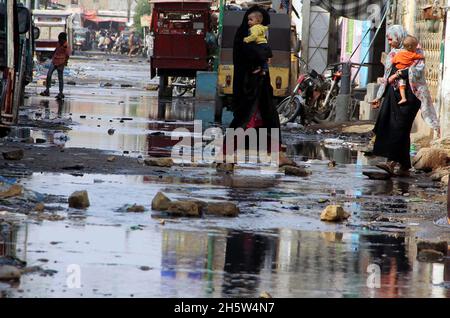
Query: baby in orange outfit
column 404, row 59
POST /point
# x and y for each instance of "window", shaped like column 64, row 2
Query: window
column 75, row 2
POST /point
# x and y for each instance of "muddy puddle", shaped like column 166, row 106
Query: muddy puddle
column 114, row 261
column 134, row 121
column 277, row 244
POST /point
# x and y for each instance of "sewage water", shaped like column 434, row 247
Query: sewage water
column 277, row 244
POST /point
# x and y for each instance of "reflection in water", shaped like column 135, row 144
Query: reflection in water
column 315, row 150
column 8, row 240
column 292, row 263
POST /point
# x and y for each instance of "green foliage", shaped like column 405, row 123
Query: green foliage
column 142, row 8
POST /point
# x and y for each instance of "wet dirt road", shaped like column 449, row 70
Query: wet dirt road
column 277, row 244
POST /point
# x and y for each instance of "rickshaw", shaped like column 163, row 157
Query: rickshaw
column 81, row 39
column 180, row 49
column 280, row 42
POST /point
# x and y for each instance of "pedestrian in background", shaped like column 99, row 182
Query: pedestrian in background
column 59, row 61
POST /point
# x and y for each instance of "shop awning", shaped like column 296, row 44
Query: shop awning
column 92, row 16
column 353, row 9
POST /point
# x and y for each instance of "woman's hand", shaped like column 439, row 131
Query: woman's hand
column 375, row 103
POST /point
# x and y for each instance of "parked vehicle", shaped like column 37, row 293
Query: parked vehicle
column 50, row 23
column 313, row 99
column 182, row 85
column 180, row 48
column 81, row 39
column 16, row 50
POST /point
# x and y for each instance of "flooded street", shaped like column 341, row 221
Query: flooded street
column 277, row 244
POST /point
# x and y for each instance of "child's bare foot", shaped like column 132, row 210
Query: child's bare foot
column 402, row 101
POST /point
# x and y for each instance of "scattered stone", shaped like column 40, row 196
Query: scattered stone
column 162, row 222
column 430, row 256
column 296, row 171
column 334, row 213
column 83, row 116
column 428, row 159
column 50, row 217
column 13, row 154
column 79, row 200
column 439, row 173
column 71, row 83
column 40, row 207
column 160, row 202
column 358, row 129
column 136, row 208
column 440, row 246
column 145, row 268
column 225, row 167
column 382, row 219
column 285, row 161
column 444, row 180
column 265, row 294
column 332, row 164
column 13, row 191
column 185, row 208
column 40, row 141
column 111, row 159
column 222, row 209
column 126, row 85
column 107, row 85
column 111, row 131
column 126, row 152
column 29, row 140
column 159, row 162
column 8, row 272
column 376, row 175
column 151, row 87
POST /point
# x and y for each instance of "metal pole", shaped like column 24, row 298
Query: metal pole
column 343, row 99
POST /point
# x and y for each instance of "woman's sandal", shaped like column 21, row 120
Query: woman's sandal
column 389, row 168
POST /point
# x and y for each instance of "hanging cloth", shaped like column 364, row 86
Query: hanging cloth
column 352, row 9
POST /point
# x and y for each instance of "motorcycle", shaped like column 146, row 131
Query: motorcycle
column 308, row 100
column 314, row 97
column 181, row 85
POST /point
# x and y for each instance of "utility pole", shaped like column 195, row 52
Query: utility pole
column 129, row 2
column 28, row 4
